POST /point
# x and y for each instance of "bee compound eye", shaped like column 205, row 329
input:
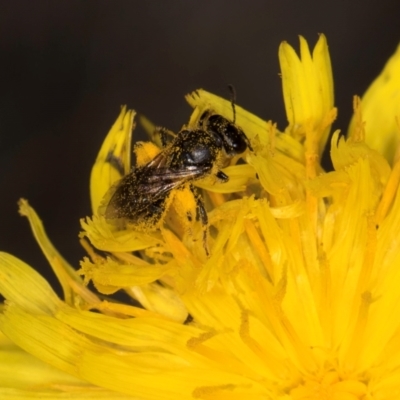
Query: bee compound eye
column 234, row 140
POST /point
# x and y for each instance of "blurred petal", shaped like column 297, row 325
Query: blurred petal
column 380, row 110
column 22, row 376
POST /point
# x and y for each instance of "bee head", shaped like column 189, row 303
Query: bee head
column 227, row 134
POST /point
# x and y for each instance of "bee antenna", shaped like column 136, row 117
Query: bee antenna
column 233, row 100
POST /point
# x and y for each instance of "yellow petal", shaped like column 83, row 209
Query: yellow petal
column 345, row 153
column 71, row 283
column 114, row 158
column 239, row 176
column 17, row 279
column 380, row 108
column 308, row 91
column 23, row 376
column 161, row 300
column 104, row 237
column 115, row 275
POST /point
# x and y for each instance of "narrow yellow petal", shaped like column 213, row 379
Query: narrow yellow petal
column 115, row 274
column 17, row 279
column 345, row 153
column 22, row 376
column 104, row 237
column 114, row 158
column 323, row 69
column 70, row 281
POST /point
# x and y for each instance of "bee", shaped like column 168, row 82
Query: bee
column 140, row 197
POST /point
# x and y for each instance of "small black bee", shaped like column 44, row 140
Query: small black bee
column 140, row 197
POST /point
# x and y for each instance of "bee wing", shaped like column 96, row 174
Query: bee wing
column 163, row 180
column 144, row 188
column 159, row 161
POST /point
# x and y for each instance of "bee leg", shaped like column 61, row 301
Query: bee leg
column 164, row 133
column 222, row 177
column 202, row 216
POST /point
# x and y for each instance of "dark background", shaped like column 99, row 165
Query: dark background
column 67, row 66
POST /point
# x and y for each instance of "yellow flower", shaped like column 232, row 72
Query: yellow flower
column 297, row 300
